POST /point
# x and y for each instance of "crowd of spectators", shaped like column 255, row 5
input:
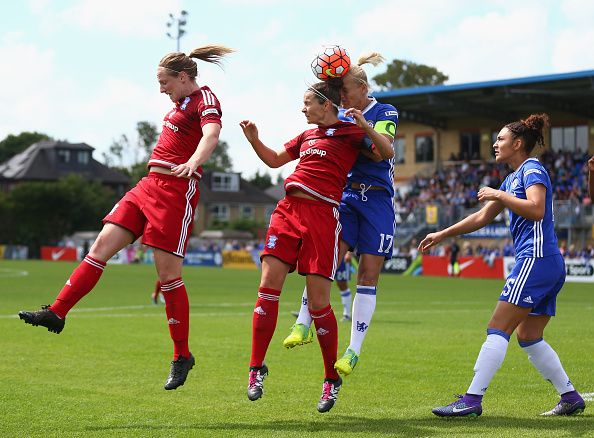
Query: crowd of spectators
column 456, row 183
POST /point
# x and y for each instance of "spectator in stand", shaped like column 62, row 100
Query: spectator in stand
column 591, row 178
column 508, row 248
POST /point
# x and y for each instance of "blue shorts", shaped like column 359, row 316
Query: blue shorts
column 368, row 221
column 343, row 273
column 535, row 282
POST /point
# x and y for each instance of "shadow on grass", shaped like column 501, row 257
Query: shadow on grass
column 577, row 426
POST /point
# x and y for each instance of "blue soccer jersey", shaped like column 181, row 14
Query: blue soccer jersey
column 384, row 119
column 531, row 239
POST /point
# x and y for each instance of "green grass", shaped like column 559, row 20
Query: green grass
column 103, row 375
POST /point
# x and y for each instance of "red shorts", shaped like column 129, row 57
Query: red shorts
column 305, row 234
column 160, row 209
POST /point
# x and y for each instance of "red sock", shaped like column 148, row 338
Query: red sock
column 327, row 331
column 264, row 323
column 83, row 279
column 177, row 308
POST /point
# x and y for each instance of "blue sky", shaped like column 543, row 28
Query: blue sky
column 85, row 71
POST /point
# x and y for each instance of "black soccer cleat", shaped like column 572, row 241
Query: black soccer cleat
column 256, row 382
column 179, row 371
column 44, row 317
column 329, row 394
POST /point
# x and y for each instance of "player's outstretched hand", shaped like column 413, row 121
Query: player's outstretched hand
column 249, row 130
column 429, row 241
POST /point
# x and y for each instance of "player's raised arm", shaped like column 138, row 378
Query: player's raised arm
column 270, row 157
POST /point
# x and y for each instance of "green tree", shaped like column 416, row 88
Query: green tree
column 219, row 159
column 261, row 181
column 147, row 137
column 14, row 144
column 42, row 213
column 404, row 74
column 122, row 150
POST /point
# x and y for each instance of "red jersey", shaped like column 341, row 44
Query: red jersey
column 182, row 129
column 326, row 155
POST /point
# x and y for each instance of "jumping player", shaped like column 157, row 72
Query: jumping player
column 304, row 230
column 161, row 206
column 528, row 299
column 366, row 213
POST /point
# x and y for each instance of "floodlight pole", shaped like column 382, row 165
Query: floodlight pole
column 181, row 21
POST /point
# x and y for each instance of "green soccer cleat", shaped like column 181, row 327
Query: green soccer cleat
column 300, row 334
column 346, row 365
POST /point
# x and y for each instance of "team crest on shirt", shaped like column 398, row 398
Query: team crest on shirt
column 330, row 131
column 271, row 242
column 515, row 183
column 185, row 104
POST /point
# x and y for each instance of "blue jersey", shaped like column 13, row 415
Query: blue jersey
column 531, row 239
column 384, row 119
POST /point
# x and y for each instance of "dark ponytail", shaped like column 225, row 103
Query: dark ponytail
column 530, row 130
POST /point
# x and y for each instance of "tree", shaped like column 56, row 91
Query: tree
column 137, row 154
column 40, row 213
column 404, row 74
column 219, row 159
column 261, row 181
column 15, row 144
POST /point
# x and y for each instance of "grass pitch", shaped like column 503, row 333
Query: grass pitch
column 103, row 375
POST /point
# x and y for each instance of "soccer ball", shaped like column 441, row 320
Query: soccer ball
column 330, row 62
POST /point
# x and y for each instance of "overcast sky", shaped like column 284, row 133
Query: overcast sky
column 85, row 70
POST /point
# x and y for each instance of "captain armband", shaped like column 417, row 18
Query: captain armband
column 386, row 127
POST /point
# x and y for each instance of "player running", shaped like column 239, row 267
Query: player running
column 304, row 231
column 366, row 214
column 161, row 206
column 528, row 299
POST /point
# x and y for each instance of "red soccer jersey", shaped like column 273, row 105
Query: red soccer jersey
column 182, row 129
column 326, row 155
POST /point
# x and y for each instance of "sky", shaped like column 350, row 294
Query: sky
column 85, row 70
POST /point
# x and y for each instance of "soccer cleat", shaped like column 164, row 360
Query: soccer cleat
column 256, row 383
column 567, row 407
column 300, row 334
column 458, row 409
column 347, row 363
column 179, row 371
column 329, row 394
column 345, row 318
column 44, row 317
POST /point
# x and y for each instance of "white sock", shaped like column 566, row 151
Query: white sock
column 345, row 296
column 363, row 308
column 489, row 360
column 304, row 315
column 547, row 362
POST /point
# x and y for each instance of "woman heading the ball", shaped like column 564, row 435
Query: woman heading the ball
column 161, row 206
column 304, row 230
column 366, row 213
column 528, row 299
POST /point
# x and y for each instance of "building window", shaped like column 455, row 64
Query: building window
column 569, row 138
column 220, row 212
column 424, row 146
column 269, row 211
column 63, row 156
column 470, row 145
column 494, row 135
column 225, row 182
column 83, row 157
column 246, row 212
column 399, row 142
